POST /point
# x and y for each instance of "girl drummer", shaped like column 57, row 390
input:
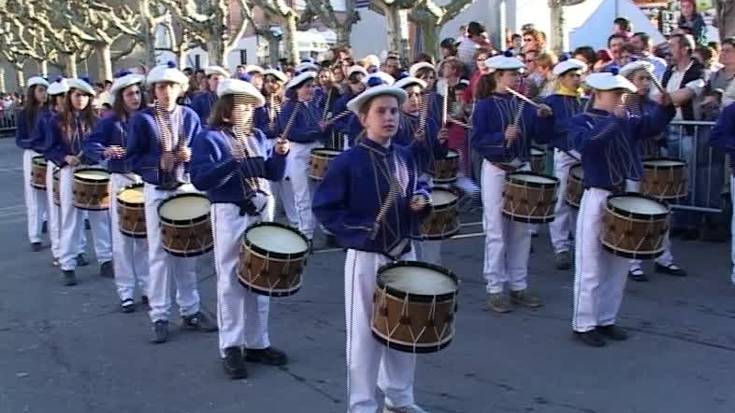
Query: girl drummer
column 158, row 150
column 723, row 137
column 607, row 128
column 65, row 135
column 230, row 161
column 374, row 175
column 503, row 128
column 28, row 138
column 108, row 142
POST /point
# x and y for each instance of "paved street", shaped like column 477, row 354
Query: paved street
column 71, row 350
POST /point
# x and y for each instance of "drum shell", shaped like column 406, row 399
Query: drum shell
column 529, row 202
column 538, row 160
column 267, row 273
column 319, row 162
column 633, row 235
column 38, row 173
column 445, row 170
column 442, row 222
column 131, row 215
column 398, row 317
column 57, row 195
column 664, row 181
column 91, row 194
column 186, row 238
column 575, row 187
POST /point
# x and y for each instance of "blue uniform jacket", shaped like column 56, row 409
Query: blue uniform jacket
column 110, row 130
column 424, row 154
column 564, row 108
column 203, row 104
column 723, row 133
column 305, row 128
column 58, row 146
column 30, row 136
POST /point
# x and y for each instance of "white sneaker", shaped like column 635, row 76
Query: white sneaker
column 404, row 409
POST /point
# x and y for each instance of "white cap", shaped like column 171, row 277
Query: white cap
column 609, row 81
column 420, row 65
column 631, row 67
column 410, row 81
column 299, row 79
column 37, row 80
column 122, row 82
column 81, row 85
column 277, row 74
column 384, row 77
column 239, row 87
column 306, row 66
column 567, row 65
column 58, row 87
column 357, row 103
column 356, row 69
column 216, row 70
column 167, row 73
column 371, row 60
column 254, row 69
column 502, row 62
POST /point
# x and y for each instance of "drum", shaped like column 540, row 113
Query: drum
column 319, row 162
column 664, row 178
column 414, row 306
column 272, row 259
column 131, row 211
column 38, row 173
column 538, row 160
column 91, row 189
column 445, row 170
column 634, row 226
column 575, row 188
column 57, row 195
column 186, row 230
column 443, row 222
column 530, row 197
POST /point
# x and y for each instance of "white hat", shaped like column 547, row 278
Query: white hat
column 371, row 60
column 37, row 80
column 253, row 69
column 609, row 81
column 357, row 103
column 277, row 74
column 502, row 62
column 567, row 65
column 81, row 85
column 631, row 67
column 58, row 87
column 216, row 70
column 409, row 81
column 124, row 81
column 240, row 88
column 420, row 65
column 299, row 79
column 306, row 66
column 384, row 77
column 167, row 73
column 356, row 69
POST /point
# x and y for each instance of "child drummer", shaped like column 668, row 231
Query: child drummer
column 723, row 137
column 230, row 161
column 608, row 128
column 371, row 200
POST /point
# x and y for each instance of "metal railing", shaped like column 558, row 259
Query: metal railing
column 7, row 123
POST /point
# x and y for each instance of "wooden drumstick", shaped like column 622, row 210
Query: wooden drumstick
column 516, row 122
column 290, row 122
column 338, row 116
column 522, row 97
column 389, row 200
column 445, row 103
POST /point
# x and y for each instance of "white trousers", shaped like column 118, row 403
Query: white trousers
column 34, row 198
column 298, row 172
column 599, row 276
column 71, row 223
column 564, row 215
column 164, row 267
column 428, row 251
column 732, row 229
column 283, row 193
column 507, row 242
column 52, row 213
column 370, row 363
column 664, row 259
column 130, row 255
column 242, row 316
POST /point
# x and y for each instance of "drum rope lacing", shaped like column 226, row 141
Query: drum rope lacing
column 628, row 221
column 252, row 279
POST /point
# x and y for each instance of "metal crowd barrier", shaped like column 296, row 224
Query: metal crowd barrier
column 7, row 123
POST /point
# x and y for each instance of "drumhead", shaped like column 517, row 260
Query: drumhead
column 577, row 172
column 442, row 197
column 452, row 154
column 418, row 280
column 92, row 174
column 184, row 207
column 537, row 152
column 132, row 195
column 38, row 160
column 535, row 179
column 638, row 205
column 664, row 162
column 324, row 151
column 277, row 239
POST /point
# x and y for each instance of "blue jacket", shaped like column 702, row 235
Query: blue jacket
column 30, row 136
column 723, row 133
column 214, row 170
column 347, row 201
column 305, row 128
column 607, row 144
column 425, row 152
column 57, row 146
column 493, row 115
column 564, row 108
column 203, row 104
column 144, row 144
column 109, row 131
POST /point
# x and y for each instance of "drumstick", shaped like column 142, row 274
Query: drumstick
column 389, row 199
column 290, row 122
column 656, row 83
column 423, row 112
column 515, row 123
column 338, row 116
column 459, row 122
column 445, row 103
column 522, row 97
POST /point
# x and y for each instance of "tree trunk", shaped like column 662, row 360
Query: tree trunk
column 181, row 57
column 430, row 36
column 393, row 25
column 43, row 68
column 343, row 32
column 557, row 24
column 725, row 18
column 289, row 38
column 216, row 50
column 104, row 56
column 72, row 65
column 20, row 78
column 147, row 33
column 274, row 52
column 2, row 79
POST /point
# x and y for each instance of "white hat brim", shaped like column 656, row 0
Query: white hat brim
column 420, row 65
column 58, row 88
column 81, row 85
column 299, row 79
column 608, row 81
column 277, row 74
column 37, row 80
column 216, row 70
column 239, row 87
column 383, row 90
column 161, row 74
column 408, row 81
column 125, row 81
column 567, row 65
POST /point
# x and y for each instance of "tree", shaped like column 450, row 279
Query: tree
column 278, row 11
column 324, row 12
column 431, row 18
column 557, row 22
column 725, row 18
column 11, row 51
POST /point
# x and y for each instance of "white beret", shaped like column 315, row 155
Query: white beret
column 631, row 67
column 567, row 65
column 356, row 69
column 420, row 65
column 166, row 73
column 216, row 70
column 277, row 74
column 502, row 62
column 58, row 87
column 81, row 85
column 37, row 80
column 122, row 82
column 384, row 77
column 409, row 81
column 306, row 66
column 609, row 81
column 239, row 87
column 383, row 90
column 254, row 69
column 299, row 79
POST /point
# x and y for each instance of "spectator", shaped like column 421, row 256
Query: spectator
column 534, row 40
column 240, row 71
column 476, row 38
column 604, row 58
column 462, row 34
column 623, row 27
column 693, row 21
column 424, row 57
column 541, row 80
column 615, row 45
column 516, row 44
column 721, row 81
column 392, row 66
column 448, row 47
column 641, row 43
column 587, row 55
column 704, row 56
column 480, row 69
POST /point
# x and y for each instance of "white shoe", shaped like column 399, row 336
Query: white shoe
column 404, row 409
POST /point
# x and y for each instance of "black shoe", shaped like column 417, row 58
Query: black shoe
column 106, row 270
column 36, row 246
column 82, row 260
column 144, row 300
column 671, row 269
column 69, row 278
column 86, row 225
column 199, row 321
column 160, row 332
column 613, row 332
column 234, row 364
column 44, row 227
column 270, row 356
column 563, row 260
column 591, row 338
column 127, row 305
column 637, row 274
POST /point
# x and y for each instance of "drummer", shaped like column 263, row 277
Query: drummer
column 723, row 137
column 565, row 102
column 162, row 166
column 65, row 135
column 356, row 186
column 640, row 74
column 204, row 101
column 599, row 276
column 28, row 138
column 503, row 127
column 355, row 86
column 230, row 161
column 108, row 143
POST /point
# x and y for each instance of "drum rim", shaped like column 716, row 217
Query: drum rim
column 278, row 255
column 448, row 204
column 424, row 349
column 129, row 204
column 538, row 148
column 577, row 166
column 510, row 175
column 91, row 181
column 182, row 221
column 39, row 157
column 324, row 152
column 637, row 215
column 681, row 163
column 424, row 298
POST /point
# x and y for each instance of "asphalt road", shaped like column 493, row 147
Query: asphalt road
column 71, row 350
